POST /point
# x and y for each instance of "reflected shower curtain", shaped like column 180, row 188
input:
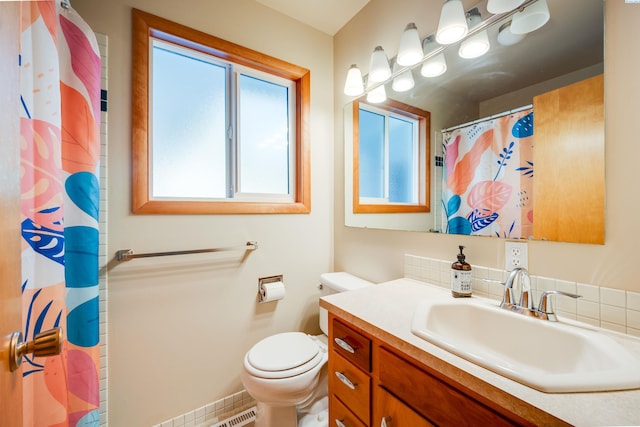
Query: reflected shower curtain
column 60, row 148
column 488, row 178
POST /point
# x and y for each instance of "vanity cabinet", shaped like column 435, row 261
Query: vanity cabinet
column 372, row 384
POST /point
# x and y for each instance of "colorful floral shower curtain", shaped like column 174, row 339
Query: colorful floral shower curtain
column 60, row 149
column 488, row 177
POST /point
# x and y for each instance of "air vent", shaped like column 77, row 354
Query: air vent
column 238, row 420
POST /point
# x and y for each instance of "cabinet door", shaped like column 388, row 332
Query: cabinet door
column 391, row 412
column 569, row 163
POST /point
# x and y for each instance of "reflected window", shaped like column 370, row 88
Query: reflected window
column 391, row 167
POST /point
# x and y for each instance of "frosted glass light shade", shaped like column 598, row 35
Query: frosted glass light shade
column 531, row 18
column 403, row 82
column 410, row 52
column 453, row 23
column 475, row 46
column 379, row 69
column 377, row 95
column 354, row 86
column 502, row 6
column 434, row 66
column 506, row 37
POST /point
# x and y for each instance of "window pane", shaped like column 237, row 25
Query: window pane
column 401, row 155
column 264, row 137
column 372, row 134
column 188, row 127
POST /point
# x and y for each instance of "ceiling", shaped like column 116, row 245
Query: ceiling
column 327, row 16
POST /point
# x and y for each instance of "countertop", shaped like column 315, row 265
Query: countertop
column 385, row 311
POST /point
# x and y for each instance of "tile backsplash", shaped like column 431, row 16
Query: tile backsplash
column 611, row 309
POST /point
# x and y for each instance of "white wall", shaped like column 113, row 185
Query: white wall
column 377, row 254
column 179, row 327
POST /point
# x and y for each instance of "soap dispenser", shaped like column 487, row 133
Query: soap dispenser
column 461, row 277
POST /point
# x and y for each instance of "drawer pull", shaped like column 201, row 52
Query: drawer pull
column 344, row 345
column 386, row 422
column 346, row 381
column 339, row 423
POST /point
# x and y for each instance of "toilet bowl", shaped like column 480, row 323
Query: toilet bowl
column 286, row 373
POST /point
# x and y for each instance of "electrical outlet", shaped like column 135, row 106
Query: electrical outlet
column 515, row 255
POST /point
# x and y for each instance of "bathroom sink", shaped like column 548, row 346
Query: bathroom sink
column 552, row 357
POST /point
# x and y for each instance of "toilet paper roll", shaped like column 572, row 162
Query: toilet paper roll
column 272, row 291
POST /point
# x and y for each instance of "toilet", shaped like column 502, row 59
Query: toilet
column 286, row 373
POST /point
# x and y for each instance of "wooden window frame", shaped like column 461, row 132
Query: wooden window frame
column 146, row 26
column 424, row 146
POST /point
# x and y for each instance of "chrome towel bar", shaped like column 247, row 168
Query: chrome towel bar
column 127, row 254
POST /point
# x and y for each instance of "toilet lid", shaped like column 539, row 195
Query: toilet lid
column 282, row 352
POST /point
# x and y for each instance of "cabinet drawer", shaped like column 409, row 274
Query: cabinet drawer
column 340, row 415
column 351, row 385
column 437, row 401
column 394, row 412
column 352, row 345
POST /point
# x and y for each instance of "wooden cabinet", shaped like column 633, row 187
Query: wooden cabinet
column 569, row 163
column 371, row 384
column 349, row 375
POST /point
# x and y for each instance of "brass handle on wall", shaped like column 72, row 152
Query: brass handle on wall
column 47, row 343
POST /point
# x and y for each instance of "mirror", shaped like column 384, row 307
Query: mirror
column 567, row 49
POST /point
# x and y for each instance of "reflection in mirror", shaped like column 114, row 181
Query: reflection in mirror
column 567, row 49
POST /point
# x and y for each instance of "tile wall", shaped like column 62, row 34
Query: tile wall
column 213, row 412
column 611, row 309
column 102, row 224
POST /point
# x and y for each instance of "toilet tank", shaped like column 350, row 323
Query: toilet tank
column 331, row 283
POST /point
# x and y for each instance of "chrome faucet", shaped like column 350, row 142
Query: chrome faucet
column 525, row 304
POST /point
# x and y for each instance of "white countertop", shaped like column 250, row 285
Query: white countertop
column 386, row 310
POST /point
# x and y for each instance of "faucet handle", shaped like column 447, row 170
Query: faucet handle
column 545, row 307
column 507, row 296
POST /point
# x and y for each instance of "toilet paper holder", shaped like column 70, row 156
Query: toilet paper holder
column 262, row 282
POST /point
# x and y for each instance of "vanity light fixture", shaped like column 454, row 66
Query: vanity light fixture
column 377, row 95
column 453, row 24
column 354, row 86
column 531, row 18
column 403, row 81
column 410, row 52
column 436, row 65
column 379, row 69
column 478, row 44
column 506, row 37
column 502, row 6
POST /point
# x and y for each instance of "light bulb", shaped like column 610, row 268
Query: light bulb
column 403, row 82
column 434, row 66
column 353, row 85
column 453, row 24
column 475, row 46
column 379, row 69
column 377, row 95
column 502, row 6
column 410, row 52
column 531, row 18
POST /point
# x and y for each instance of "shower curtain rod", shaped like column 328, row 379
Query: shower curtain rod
column 495, row 116
column 127, row 254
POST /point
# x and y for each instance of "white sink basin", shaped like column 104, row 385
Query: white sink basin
column 553, row 357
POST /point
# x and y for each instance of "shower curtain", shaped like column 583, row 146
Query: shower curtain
column 60, row 148
column 488, row 177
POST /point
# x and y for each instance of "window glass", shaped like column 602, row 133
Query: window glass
column 188, row 126
column 372, row 157
column 264, row 136
column 402, row 161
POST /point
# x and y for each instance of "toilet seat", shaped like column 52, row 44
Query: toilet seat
column 283, row 355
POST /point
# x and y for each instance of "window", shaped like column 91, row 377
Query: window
column 217, row 128
column 391, row 152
